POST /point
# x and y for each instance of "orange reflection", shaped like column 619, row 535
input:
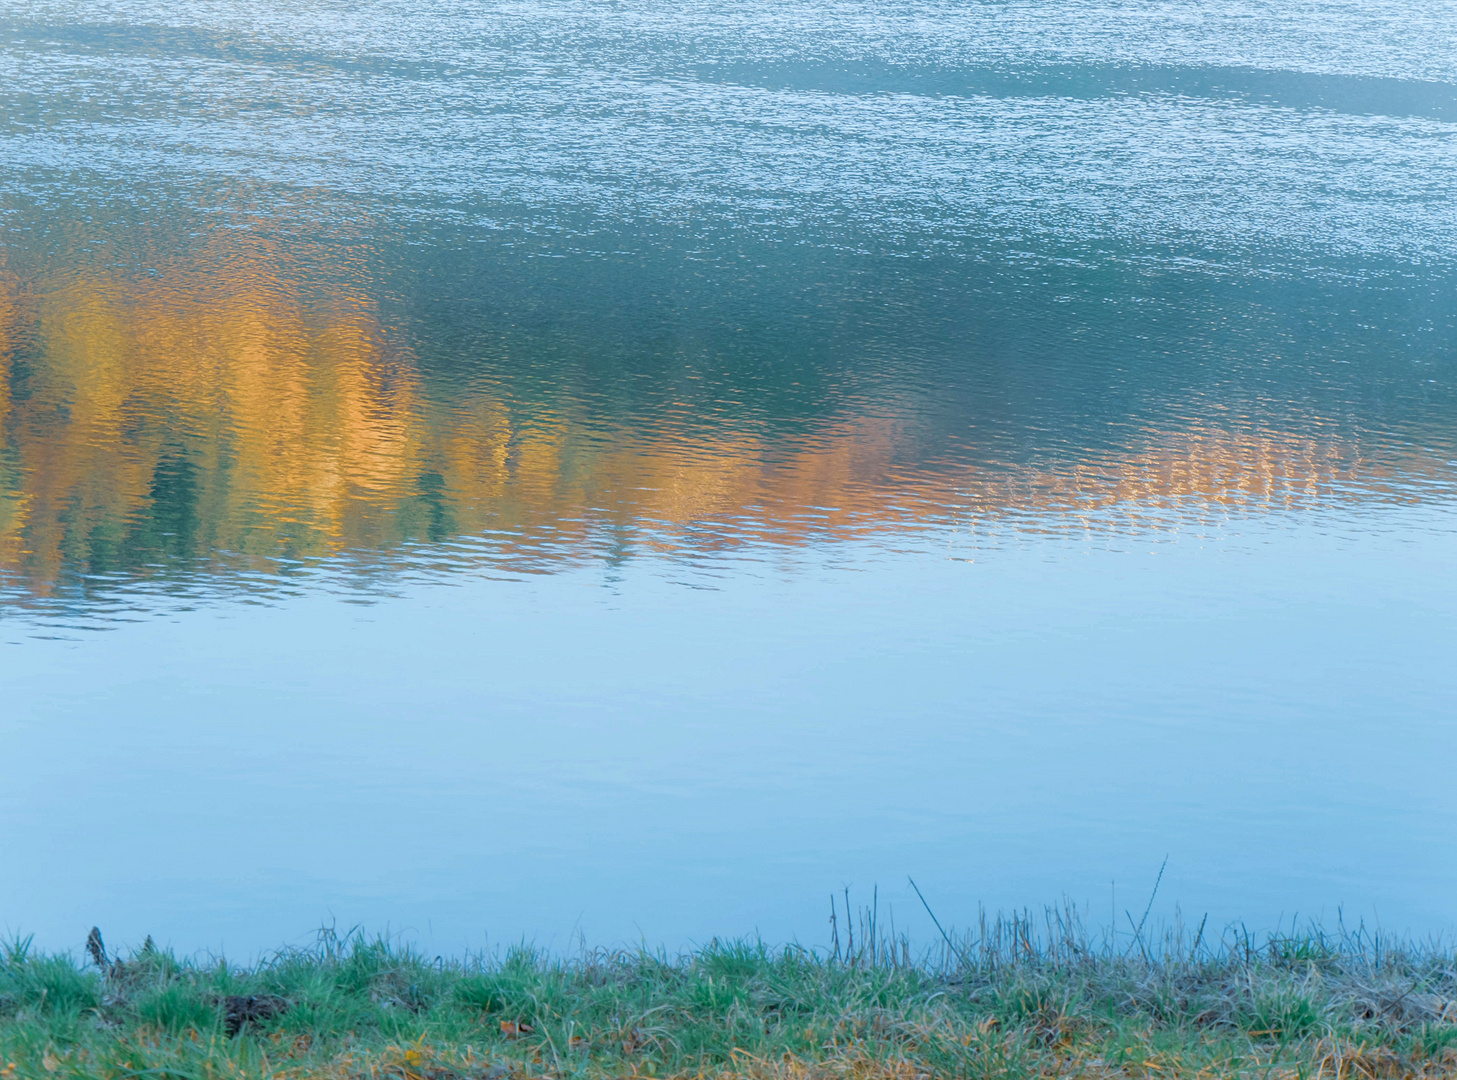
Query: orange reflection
column 12, row 497
column 280, row 423
column 228, row 409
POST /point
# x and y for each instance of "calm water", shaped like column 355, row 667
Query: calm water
column 628, row 469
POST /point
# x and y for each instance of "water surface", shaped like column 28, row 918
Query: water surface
column 630, row 470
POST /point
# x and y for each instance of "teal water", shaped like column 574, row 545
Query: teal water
column 631, row 470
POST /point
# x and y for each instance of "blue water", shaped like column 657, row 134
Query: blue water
column 625, row 471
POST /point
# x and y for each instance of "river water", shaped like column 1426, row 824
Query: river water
column 623, row 471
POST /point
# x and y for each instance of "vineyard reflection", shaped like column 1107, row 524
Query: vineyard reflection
column 226, row 412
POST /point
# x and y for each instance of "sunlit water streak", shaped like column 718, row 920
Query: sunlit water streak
column 638, row 467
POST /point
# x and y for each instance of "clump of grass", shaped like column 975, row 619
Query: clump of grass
column 1018, row 997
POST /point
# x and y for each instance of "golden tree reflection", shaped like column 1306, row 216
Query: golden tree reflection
column 223, row 409
column 12, row 498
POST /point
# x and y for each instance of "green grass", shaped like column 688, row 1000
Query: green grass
column 1017, row 998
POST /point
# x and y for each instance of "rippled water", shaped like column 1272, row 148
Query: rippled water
column 631, row 469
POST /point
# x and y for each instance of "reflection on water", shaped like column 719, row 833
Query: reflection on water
column 163, row 421
column 1052, row 407
column 239, row 410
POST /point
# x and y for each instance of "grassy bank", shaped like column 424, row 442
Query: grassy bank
column 1019, row 997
